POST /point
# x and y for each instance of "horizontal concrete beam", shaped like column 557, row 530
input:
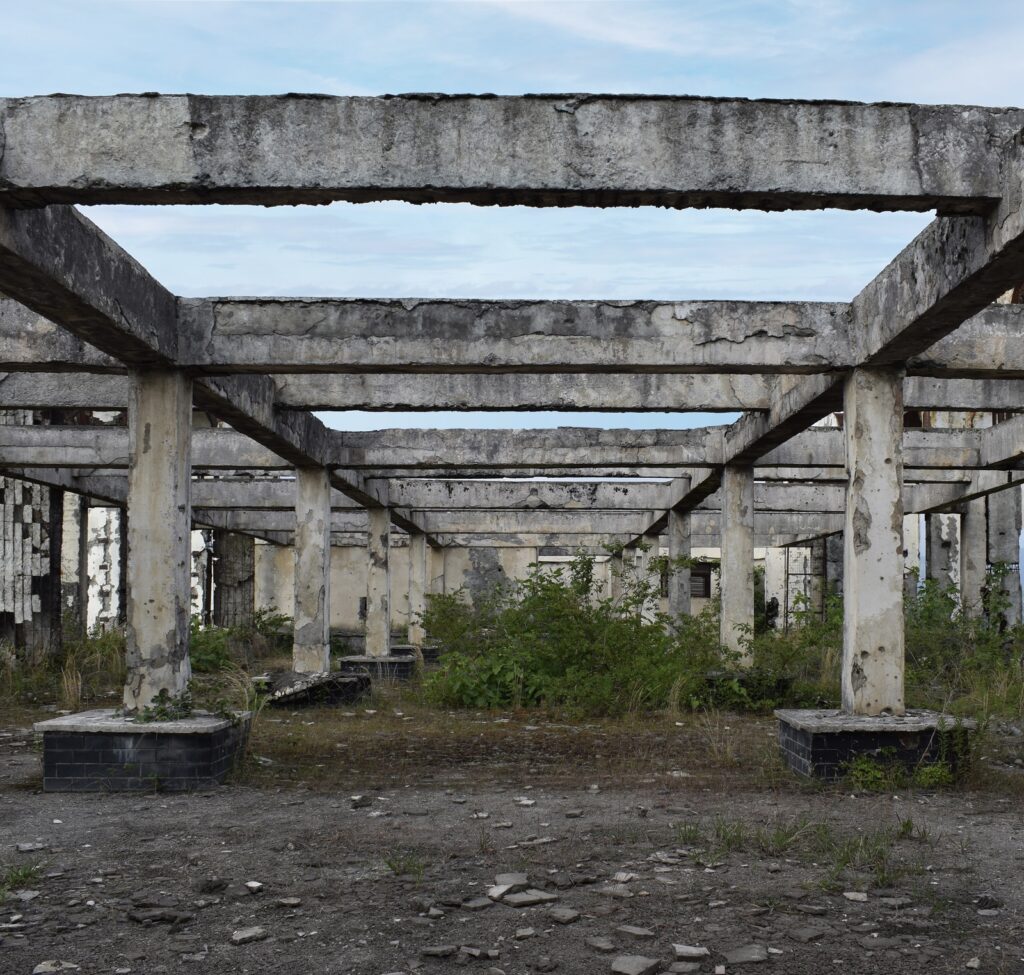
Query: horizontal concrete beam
column 584, row 150
column 515, row 392
column 505, row 392
column 272, row 335
column 563, row 446
column 446, row 495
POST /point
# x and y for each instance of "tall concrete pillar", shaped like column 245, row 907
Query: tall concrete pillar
column 1004, row 522
column 234, row 579
column 873, row 638
column 737, row 572
column 159, row 536
column 648, row 553
column 942, row 550
column 311, row 650
column 834, row 563
column 418, row 584
column 74, row 570
column 973, row 554
column 616, row 567
column 679, row 579
column 378, row 583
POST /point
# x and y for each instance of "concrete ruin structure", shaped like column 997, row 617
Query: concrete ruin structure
column 215, row 395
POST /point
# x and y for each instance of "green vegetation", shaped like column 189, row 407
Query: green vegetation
column 554, row 640
column 15, row 878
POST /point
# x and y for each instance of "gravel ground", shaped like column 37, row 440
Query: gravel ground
column 158, row 883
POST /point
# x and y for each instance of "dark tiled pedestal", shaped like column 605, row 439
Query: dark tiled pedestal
column 101, row 751
column 396, row 666
column 822, row 744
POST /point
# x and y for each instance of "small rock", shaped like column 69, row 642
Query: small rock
column 574, row 814
column 31, row 848
column 439, row 951
column 478, row 904
column 54, row 966
column 514, row 881
column 545, row 964
column 289, row 902
column 620, row 891
column 631, row 931
column 435, row 912
column 805, row 935
column 253, row 886
column 746, row 955
column 635, row 965
column 523, row 933
column 690, row 952
column 855, row 895
column 564, row 915
column 361, row 802
column 684, row 966
column 973, row 963
column 602, row 944
column 529, row 898
column 244, row 936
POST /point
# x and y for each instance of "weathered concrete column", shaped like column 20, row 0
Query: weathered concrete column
column 679, row 547
column 616, row 567
column 378, row 583
column 973, row 554
column 942, row 550
column 311, row 650
column 873, row 639
column 234, row 577
column 418, row 582
column 1004, row 522
column 834, row 563
column 74, row 569
column 159, row 529
column 737, row 572
column 648, row 554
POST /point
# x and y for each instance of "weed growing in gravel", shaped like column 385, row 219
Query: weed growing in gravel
column 14, row 878
column 406, row 863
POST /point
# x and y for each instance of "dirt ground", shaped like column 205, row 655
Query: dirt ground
column 649, row 835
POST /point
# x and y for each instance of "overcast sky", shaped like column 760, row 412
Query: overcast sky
column 890, row 51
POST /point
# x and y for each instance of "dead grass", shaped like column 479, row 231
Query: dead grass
column 395, row 740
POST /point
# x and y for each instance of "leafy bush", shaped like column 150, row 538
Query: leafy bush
column 553, row 640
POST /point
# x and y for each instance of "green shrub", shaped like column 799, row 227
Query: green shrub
column 553, row 640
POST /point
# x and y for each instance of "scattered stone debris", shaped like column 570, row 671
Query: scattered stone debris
column 635, row 965
column 690, row 952
column 45, row 967
column 245, row 936
column 746, row 955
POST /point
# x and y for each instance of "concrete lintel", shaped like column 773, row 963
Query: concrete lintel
column 572, row 149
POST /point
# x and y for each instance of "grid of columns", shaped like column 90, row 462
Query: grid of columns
column 595, row 151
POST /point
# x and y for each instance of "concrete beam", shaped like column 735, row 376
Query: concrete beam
column 270, row 335
column 581, row 150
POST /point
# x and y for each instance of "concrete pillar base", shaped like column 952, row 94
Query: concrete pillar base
column 102, row 751
column 393, row 667
column 821, row 744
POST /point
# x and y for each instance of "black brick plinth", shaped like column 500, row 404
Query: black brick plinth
column 822, row 744
column 98, row 751
column 394, row 667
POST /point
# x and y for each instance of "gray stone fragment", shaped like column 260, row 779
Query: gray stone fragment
column 439, row 951
column 244, row 936
column 746, row 955
column 601, row 943
column 529, row 898
column 478, row 904
column 807, row 934
column 564, row 915
column 514, row 881
column 635, row 965
column 632, row 931
column 690, row 952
